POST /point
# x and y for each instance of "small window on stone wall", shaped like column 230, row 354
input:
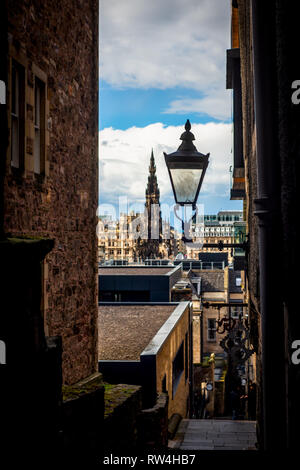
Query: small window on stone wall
column 17, row 115
column 211, row 329
column 39, row 126
column 236, row 311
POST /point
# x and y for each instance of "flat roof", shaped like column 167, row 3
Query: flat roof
column 134, row 270
column 125, row 330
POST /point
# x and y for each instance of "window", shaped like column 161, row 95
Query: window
column 17, row 115
column 177, row 368
column 211, row 329
column 236, row 311
column 39, row 126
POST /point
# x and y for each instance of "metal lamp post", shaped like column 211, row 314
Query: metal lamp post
column 186, row 169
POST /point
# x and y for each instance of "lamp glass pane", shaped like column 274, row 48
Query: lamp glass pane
column 186, row 183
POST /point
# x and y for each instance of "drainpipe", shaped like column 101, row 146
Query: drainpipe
column 201, row 335
column 267, row 209
column 191, row 361
column 3, row 109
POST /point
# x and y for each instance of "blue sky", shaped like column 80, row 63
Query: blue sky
column 160, row 64
column 124, row 108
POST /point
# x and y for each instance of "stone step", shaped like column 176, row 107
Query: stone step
column 198, row 434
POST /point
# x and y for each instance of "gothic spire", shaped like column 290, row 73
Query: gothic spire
column 152, row 191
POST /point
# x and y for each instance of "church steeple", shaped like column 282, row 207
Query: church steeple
column 150, row 248
column 152, row 190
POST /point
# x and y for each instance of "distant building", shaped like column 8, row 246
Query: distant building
column 150, row 247
column 137, row 283
column 120, row 239
column 224, row 226
column 114, row 242
column 211, row 285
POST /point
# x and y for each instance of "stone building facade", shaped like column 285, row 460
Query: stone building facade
column 264, row 75
column 50, row 184
column 114, row 240
column 225, row 226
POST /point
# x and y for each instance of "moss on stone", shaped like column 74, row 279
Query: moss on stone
column 115, row 395
column 82, row 388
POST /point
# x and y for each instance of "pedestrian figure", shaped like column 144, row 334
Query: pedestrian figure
column 243, row 399
column 252, row 401
column 235, row 403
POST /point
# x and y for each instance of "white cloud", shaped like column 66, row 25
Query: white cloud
column 217, row 104
column 124, row 159
column 166, row 44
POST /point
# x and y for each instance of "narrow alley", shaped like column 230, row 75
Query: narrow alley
column 211, row 434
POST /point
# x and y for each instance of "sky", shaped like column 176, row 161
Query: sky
column 161, row 63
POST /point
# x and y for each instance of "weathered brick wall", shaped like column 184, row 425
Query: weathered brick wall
column 249, row 142
column 61, row 40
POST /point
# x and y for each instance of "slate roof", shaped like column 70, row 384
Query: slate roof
column 212, row 281
column 134, row 270
column 126, row 330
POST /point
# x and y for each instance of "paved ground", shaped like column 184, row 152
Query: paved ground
column 209, row 434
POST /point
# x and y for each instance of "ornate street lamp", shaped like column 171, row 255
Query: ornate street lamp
column 186, row 168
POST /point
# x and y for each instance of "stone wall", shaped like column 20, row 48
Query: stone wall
column 249, row 143
column 123, row 403
column 275, row 128
column 82, row 416
column 59, row 45
column 180, row 336
column 153, row 425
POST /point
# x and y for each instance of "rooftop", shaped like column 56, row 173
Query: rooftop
column 134, row 270
column 212, row 281
column 126, row 330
